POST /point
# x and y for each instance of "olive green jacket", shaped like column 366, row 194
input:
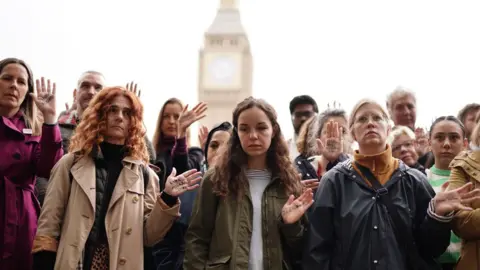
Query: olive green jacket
column 221, row 228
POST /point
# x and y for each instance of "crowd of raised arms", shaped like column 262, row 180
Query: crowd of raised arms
column 86, row 189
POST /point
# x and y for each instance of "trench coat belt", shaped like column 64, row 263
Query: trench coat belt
column 11, row 218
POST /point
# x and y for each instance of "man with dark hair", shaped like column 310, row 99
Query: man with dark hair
column 301, row 109
column 467, row 116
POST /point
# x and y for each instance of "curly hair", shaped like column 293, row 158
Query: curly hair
column 302, row 139
column 229, row 177
column 90, row 132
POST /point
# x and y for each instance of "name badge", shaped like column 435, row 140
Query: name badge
column 27, row 131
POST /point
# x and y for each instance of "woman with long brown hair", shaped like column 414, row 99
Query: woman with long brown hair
column 30, row 146
column 245, row 215
column 103, row 204
column 171, row 145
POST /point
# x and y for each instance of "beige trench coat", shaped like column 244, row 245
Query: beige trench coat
column 134, row 218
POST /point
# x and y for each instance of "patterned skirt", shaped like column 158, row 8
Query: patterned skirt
column 100, row 260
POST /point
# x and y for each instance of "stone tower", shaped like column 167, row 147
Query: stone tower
column 225, row 65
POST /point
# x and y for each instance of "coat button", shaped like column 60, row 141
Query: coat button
column 375, row 261
column 135, row 199
column 373, row 198
column 129, row 231
column 299, row 162
column 308, row 174
column 122, row 261
column 375, row 227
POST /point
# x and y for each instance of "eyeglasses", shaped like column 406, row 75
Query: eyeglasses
column 407, row 144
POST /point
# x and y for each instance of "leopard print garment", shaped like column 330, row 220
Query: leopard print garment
column 100, row 260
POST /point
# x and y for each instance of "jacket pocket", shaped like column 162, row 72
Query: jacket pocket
column 218, row 263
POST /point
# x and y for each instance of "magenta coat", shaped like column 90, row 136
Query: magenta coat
column 22, row 156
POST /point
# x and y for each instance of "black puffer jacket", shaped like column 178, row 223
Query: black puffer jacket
column 351, row 230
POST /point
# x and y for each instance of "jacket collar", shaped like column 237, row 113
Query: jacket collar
column 379, row 163
column 84, row 173
column 347, row 169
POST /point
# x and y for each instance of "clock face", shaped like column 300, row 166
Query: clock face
column 222, row 71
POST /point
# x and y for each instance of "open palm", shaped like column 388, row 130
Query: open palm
column 45, row 99
column 177, row 185
column 188, row 117
column 456, row 199
column 333, row 146
column 294, row 209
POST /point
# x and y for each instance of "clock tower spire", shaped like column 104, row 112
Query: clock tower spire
column 225, row 65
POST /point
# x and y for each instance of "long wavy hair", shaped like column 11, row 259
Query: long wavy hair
column 229, row 177
column 32, row 117
column 90, row 132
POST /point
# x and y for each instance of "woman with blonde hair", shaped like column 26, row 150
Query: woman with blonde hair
column 103, row 203
column 373, row 212
column 402, row 141
column 31, row 145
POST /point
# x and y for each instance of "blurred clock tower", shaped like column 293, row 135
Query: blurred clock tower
column 225, row 65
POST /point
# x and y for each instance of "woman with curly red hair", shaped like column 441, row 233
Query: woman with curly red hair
column 103, row 203
column 245, row 215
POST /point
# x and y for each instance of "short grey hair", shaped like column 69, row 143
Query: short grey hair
column 398, row 131
column 89, row 72
column 399, row 92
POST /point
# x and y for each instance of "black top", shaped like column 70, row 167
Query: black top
column 112, row 161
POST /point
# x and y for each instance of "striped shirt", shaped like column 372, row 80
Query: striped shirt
column 437, row 178
column 258, row 181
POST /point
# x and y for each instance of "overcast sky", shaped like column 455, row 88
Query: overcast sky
column 332, row 50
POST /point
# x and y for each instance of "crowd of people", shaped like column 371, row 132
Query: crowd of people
column 89, row 190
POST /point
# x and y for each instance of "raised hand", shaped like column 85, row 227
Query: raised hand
column 202, row 136
column 456, row 199
column 421, row 141
column 74, row 105
column 294, row 209
column 132, row 87
column 45, row 100
column 188, row 117
column 177, row 185
column 333, row 146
